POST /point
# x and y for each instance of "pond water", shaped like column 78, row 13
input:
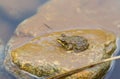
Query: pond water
column 12, row 13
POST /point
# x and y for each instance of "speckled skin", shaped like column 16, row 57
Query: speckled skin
column 75, row 43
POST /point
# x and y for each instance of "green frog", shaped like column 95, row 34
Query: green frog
column 75, row 43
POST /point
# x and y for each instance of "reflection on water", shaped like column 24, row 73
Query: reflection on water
column 13, row 12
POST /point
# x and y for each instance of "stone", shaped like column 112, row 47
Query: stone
column 44, row 57
column 24, row 55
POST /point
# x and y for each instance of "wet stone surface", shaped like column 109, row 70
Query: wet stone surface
column 44, row 57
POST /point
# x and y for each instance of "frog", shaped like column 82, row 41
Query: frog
column 73, row 43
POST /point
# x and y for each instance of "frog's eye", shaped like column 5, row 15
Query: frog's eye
column 63, row 35
column 60, row 41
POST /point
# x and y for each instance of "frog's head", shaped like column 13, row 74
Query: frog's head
column 63, row 41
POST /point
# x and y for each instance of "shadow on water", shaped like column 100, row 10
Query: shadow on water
column 12, row 22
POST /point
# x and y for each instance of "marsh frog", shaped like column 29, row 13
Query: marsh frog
column 75, row 43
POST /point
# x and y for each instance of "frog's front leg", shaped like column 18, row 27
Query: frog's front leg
column 69, row 47
column 78, row 48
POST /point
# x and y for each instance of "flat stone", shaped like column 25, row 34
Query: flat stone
column 44, row 57
column 25, row 51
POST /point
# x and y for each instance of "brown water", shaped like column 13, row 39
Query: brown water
column 102, row 13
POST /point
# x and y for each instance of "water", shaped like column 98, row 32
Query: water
column 11, row 15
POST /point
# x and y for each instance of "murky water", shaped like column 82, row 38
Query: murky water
column 11, row 15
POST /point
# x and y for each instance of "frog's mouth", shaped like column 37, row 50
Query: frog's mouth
column 63, row 43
